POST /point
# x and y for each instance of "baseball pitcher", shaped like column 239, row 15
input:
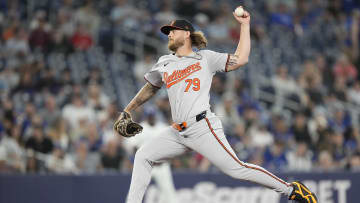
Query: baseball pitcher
column 187, row 77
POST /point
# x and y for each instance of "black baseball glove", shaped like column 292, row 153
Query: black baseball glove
column 126, row 127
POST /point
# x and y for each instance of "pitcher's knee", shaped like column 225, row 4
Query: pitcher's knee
column 142, row 155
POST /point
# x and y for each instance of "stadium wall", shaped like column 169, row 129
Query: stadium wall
column 191, row 188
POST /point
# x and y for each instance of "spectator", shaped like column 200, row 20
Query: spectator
column 285, row 86
column 325, row 70
column 13, row 152
column 97, row 99
column 311, row 81
column 59, row 134
column 274, row 156
column 60, row 43
column 48, row 81
column 283, row 83
column 32, row 164
column 26, row 119
column 85, row 161
column 338, row 150
column 166, row 14
column 340, row 121
column 18, row 45
column 40, row 18
column 9, row 32
column 77, row 111
column 65, row 25
column 142, row 67
column 299, row 159
column 207, row 8
column 354, row 93
column 260, row 35
column 300, row 129
column 51, row 111
column 352, row 139
column 60, row 163
column 354, row 37
column 186, row 9
column 107, row 119
column 325, row 162
column 344, row 68
column 40, row 38
column 280, row 129
column 202, row 22
column 9, row 116
column 339, row 90
column 310, row 75
column 9, row 79
column 354, row 162
column 81, row 40
column 92, row 137
column 124, row 15
column 282, row 16
column 219, row 31
column 112, row 156
column 39, row 142
column 26, row 85
column 227, row 112
column 260, row 136
column 94, row 77
column 87, row 17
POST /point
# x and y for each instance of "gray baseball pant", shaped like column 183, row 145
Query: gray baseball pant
column 207, row 138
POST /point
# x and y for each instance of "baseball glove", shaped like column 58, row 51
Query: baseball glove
column 125, row 126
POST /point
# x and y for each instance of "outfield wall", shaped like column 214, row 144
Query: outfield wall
column 191, row 188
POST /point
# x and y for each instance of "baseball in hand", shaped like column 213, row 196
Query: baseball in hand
column 239, row 11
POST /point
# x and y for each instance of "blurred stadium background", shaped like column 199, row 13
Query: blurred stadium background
column 67, row 67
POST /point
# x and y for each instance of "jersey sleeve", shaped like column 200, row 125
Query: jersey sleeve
column 154, row 76
column 216, row 61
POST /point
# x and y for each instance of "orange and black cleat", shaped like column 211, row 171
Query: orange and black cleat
column 302, row 194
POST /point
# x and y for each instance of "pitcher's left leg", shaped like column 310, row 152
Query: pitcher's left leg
column 216, row 148
column 163, row 178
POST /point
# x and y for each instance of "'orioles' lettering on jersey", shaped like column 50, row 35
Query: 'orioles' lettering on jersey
column 179, row 75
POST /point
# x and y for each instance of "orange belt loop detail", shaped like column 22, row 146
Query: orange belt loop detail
column 179, row 127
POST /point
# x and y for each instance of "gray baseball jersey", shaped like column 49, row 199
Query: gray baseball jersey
column 187, row 80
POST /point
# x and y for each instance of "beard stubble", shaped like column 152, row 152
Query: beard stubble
column 173, row 45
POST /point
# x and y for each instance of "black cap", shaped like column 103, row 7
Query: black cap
column 177, row 25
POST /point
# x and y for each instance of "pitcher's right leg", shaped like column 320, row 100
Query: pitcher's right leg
column 159, row 149
column 216, row 148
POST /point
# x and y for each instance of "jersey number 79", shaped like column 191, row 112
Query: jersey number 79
column 195, row 82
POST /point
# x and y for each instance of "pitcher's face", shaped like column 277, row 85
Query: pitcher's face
column 176, row 39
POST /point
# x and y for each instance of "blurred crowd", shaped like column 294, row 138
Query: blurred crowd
column 294, row 107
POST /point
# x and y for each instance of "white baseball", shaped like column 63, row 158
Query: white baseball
column 239, row 11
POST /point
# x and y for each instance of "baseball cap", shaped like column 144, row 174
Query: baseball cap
column 177, row 25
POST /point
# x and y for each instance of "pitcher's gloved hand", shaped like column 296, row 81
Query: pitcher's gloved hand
column 125, row 126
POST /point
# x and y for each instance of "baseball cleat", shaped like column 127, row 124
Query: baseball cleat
column 302, row 194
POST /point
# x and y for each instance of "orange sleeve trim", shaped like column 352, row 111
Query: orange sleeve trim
column 227, row 60
column 151, row 83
